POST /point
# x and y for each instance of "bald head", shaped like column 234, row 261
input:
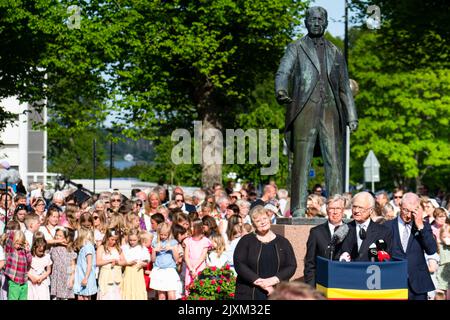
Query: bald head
column 409, row 206
column 410, row 198
column 270, row 192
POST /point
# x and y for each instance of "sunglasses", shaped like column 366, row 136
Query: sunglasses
column 397, row 197
column 115, row 200
column 139, row 204
column 95, row 217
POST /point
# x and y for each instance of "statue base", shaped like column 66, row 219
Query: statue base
column 296, row 230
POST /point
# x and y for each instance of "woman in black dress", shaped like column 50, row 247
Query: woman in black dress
column 262, row 259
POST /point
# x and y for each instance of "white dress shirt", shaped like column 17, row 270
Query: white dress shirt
column 363, row 225
column 331, row 227
column 402, row 229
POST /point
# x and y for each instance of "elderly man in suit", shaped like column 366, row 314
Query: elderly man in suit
column 312, row 80
column 363, row 231
column 412, row 237
column 320, row 238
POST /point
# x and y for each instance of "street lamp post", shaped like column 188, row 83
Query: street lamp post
column 110, row 164
column 347, row 129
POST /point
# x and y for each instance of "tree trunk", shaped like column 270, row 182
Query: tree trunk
column 211, row 172
column 207, row 109
column 418, row 184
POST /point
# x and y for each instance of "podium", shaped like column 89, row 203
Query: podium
column 362, row 280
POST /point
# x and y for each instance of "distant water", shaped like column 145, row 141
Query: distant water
column 121, row 164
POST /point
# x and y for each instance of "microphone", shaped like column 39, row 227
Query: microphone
column 373, row 252
column 382, row 255
column 338, row 236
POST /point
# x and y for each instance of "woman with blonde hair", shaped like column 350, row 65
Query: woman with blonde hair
column 116, row 201
column 262, row 259
column 151, row 207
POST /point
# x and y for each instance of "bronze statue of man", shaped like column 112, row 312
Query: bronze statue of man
column 312, row 80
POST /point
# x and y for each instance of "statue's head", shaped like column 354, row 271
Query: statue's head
column 316, row 21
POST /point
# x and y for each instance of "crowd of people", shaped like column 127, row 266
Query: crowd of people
column 409, row 227
column 110, row 246
column 152, row 245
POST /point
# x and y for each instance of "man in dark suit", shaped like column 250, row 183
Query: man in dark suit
column 179, row 199
column 412, row 236
column 320, row 103
column 320, row 237
column 363, row 231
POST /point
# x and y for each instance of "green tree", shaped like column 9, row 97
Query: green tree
column 45, row 60
column 197, row 60
column 414, row 33
column 403, row 115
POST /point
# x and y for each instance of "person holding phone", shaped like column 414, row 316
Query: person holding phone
column 412, row 237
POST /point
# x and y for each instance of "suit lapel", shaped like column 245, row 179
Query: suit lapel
column 326, row 231
column 308, row 46
column 411, row 238
column 396, row 232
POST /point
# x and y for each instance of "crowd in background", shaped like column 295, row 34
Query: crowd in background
column 150, row 245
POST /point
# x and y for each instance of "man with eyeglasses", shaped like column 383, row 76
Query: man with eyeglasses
column 363, row 231
column 412, row 237
column 397, row 195
column 320, row 236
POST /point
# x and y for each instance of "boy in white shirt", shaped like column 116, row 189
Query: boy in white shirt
column 32, row 223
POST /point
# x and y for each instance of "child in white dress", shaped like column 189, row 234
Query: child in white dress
column 135, row 258
column 38, row 276
column 164, row 274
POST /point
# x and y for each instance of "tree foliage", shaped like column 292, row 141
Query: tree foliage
column 403, row 115
column 413, row 34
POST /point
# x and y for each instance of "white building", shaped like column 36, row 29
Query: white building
column 24, row 148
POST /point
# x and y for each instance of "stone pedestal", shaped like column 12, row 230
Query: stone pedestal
column 296, row 230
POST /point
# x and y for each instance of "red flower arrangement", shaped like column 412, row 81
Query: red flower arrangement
column 213, row 284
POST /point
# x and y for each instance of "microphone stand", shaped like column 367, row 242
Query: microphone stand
column 332, row 247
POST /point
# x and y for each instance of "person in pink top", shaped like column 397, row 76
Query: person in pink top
column 195, row 252
column 440, row 217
